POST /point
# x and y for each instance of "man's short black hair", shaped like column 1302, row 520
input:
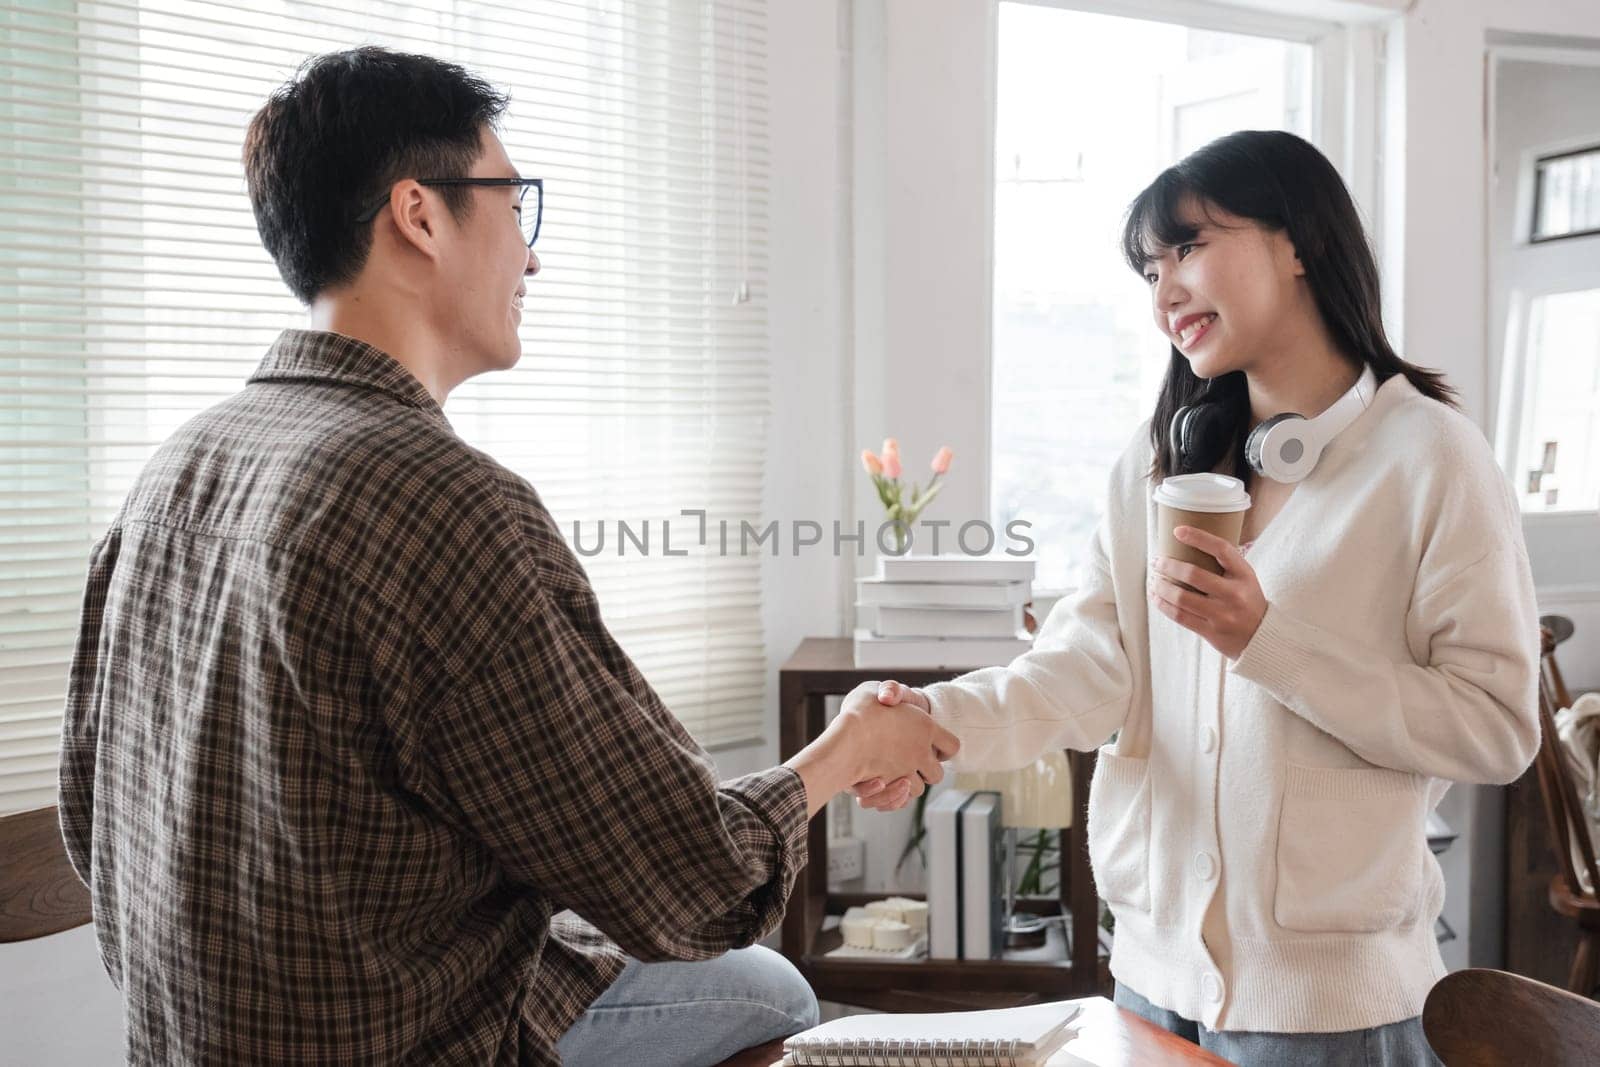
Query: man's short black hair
column 333, row 140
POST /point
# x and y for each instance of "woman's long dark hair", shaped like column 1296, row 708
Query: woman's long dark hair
column 1284, row 184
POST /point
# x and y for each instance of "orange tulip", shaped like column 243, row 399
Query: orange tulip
column 872, row 463
column 941, row 460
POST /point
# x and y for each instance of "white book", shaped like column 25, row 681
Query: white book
column 999, row 568
column 982, row 863
column 944, row 914
column 881, row 591
column 1026, row 1036
column 930, row 653
column 947, row 622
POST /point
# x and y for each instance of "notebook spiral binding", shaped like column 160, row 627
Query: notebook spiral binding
column 850, row 1052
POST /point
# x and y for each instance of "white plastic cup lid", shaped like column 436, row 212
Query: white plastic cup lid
column 1212, row 493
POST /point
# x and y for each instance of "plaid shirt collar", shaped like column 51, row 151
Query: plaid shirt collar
column 324, row 356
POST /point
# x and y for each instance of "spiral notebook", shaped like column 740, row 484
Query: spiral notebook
column 1006, row 1037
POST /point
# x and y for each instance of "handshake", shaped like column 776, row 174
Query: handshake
column 883, row 746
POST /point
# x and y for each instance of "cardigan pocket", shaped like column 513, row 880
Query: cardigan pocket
column 1351, row 845
column 1119, row 829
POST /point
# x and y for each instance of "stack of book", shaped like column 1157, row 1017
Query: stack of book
column 943, row 612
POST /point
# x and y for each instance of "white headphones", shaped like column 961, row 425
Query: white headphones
column 1286, row 447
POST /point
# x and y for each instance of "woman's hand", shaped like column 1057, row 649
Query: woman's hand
column 1228, row 608
column 877, row 794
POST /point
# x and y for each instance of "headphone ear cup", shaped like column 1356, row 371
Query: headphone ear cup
column 1273, row 466
column 1252, row 444
column 1177, row 443
column 1199, row 437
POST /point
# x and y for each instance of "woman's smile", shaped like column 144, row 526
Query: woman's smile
column 1191, row 328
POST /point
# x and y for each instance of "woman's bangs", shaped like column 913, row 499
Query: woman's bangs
column 1157, row 220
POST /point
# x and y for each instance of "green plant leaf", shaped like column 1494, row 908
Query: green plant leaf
column 919, row 831
column 882, row 486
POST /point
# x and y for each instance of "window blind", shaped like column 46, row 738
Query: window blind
column 136, row 294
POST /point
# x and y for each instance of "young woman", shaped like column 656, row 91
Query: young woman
column 1277, row 735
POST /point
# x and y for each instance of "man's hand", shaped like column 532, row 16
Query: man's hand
column 878, row 794
column 875, row 739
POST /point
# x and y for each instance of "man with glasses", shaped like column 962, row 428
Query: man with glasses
column 351, row 765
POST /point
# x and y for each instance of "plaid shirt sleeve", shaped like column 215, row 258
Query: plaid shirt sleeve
column 564, row 762
column 80, row 724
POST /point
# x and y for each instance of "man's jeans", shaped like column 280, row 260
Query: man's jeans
column 691, row 1014
column 1398, row 1044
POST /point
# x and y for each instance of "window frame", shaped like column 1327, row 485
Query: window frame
column 1590, row 148
column 1515, row 401
column 1533, row 269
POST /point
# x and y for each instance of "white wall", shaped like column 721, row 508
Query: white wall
column 57, row 1007
column 934, row 159
column 807, row 462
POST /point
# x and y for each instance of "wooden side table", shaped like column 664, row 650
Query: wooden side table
column 824, row 667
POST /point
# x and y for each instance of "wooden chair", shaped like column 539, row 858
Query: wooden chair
column 760, row 1056
column 1553, row 630
column 1564, row 819
column 40, row 893
column 1479, row 1018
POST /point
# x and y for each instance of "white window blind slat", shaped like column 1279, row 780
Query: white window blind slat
column 138, row 295
column 540, row 26
column 674, row 301
column 63, row 222
column 587, row 187
column 566, row 128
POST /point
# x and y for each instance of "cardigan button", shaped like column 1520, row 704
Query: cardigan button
column 1208, row 739
column 1211, row 986
column 1204, row 866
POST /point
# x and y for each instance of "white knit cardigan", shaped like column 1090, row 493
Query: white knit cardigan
column 1257, row 825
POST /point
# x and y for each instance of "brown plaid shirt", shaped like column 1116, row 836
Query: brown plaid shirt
column 345, row 732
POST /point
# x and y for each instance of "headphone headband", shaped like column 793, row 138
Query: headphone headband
column 1284, row 448
column 1347, row 408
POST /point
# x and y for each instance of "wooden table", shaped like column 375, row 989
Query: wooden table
column 1111, row 1037
column 824, row 667
column 1107, row 1037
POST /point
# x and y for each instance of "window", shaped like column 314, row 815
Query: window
column 1566, row 195
column 1089, row 109
column 1558, row 453
column 138, row 295
column 1544, row 281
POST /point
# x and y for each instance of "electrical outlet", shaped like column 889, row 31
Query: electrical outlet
column 847, row 859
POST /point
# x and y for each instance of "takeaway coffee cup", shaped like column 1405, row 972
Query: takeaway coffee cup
column 1215, row 503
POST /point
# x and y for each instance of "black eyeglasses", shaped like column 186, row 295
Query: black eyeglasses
column 530, row 226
